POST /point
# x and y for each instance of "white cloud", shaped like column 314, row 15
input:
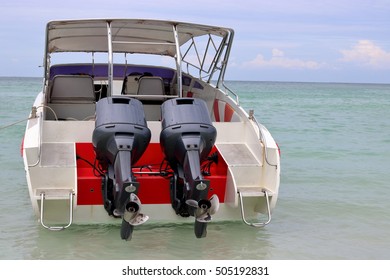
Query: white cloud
column 279, row 60
column 367, row 53
column 277, row 53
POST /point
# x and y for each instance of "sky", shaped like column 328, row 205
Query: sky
column 279, row 40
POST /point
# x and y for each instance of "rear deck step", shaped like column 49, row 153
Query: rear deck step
column 231, row 151
column 255, row 192
column 57, row 228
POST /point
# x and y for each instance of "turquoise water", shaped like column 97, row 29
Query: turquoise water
column 334, row 196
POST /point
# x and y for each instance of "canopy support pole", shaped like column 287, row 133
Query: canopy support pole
column 110, row 61
column 178, row 62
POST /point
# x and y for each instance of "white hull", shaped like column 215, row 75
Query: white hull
column 57, row 180
column 58, row 143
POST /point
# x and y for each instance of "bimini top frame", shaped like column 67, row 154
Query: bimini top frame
column 205, row 48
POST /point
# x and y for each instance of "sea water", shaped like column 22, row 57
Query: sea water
column 334, row 199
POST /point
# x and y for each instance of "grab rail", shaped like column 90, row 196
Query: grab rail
column 232, row 93
column 262, row 139
column 34, row 115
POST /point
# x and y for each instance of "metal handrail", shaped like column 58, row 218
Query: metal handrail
column 231, row 92
column 40, row 124
column 262, row 139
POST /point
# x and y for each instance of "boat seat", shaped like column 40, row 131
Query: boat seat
column 150, row 91
column 72, row 97
column 147, row 89
column 151, row 88
column 130, row 83
column 72, row 89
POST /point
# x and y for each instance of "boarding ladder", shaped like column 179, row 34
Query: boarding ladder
column 56, row 228
column 254, row 192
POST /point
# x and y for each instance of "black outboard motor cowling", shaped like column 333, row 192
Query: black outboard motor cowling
column 186, row 125
column 186, row 139
column 120, row 138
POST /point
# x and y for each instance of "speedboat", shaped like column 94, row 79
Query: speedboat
column 134, row 124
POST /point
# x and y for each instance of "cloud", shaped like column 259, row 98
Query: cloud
column 277, row 53
column 279, row 60
column 365, row 52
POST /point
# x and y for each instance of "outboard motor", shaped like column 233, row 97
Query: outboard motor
column 186, row 139
column 120, row 138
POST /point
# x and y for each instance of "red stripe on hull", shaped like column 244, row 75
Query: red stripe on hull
column 216, row 110
column 228, row 113
column 154, row 189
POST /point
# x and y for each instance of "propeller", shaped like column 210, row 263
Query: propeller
column 132, row 213
column 204, row 208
